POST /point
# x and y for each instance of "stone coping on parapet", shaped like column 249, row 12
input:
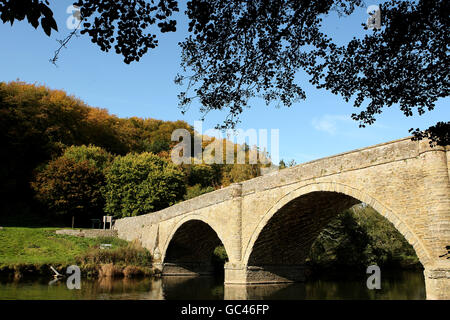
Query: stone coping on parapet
column 397, row 150
column 203, row 201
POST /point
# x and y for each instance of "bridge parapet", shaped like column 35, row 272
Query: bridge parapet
column 379, row 154
column 129, row 227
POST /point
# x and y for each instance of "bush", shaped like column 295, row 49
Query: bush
column 132, row 271
column 109, row 270
column 131, row 255
column 141, row 183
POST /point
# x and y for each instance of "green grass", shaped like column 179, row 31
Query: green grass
column 43, row 246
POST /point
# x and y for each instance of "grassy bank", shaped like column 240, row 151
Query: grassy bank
column 31, row 251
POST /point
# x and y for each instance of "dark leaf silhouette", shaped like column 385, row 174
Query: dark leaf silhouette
column 239, row 50
column 36, row 12
column 244, row 49
column 124, row 24
column 438, row 134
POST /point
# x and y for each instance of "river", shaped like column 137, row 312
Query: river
column 403, row 285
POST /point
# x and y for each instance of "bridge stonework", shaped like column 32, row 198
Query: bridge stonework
column 268, row 224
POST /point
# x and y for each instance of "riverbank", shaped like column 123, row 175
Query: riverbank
column 28, row 252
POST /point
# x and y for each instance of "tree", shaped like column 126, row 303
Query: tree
column 238, row 50
column 108, row 22
column 38, row 124
column 406, row 63
column 96, row 156
column 35, row 124
column 283, row 165
column 243, row 49
column 70, row 188
column 438, row 134
column 196, row 190
column 203, row 175
column 240, row 172
column 36, row 12
column 141, row 183
column 359, row 237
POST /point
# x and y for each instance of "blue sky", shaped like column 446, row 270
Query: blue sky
column 317, row 127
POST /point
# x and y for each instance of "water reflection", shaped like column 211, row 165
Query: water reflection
column 398, row 286
column 401, row 285
column 198, row 288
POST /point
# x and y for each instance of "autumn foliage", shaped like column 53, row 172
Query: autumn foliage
column 71, row 188
column 63, row 158
column 142, row 183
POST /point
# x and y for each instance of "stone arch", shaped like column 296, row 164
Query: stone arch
column 189, row 246
column 345, row 193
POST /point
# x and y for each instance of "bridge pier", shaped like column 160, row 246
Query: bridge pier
column 186, row 269
column 437, row 283
column 243, row 274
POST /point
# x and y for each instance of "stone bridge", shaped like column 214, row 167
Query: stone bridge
column 268, row 224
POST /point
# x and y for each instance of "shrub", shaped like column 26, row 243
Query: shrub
column 132, row 271
column 133, row 254
column 109, row 270
column 141, row 183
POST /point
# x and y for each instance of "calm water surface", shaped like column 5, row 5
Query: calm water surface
column 400, row 285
